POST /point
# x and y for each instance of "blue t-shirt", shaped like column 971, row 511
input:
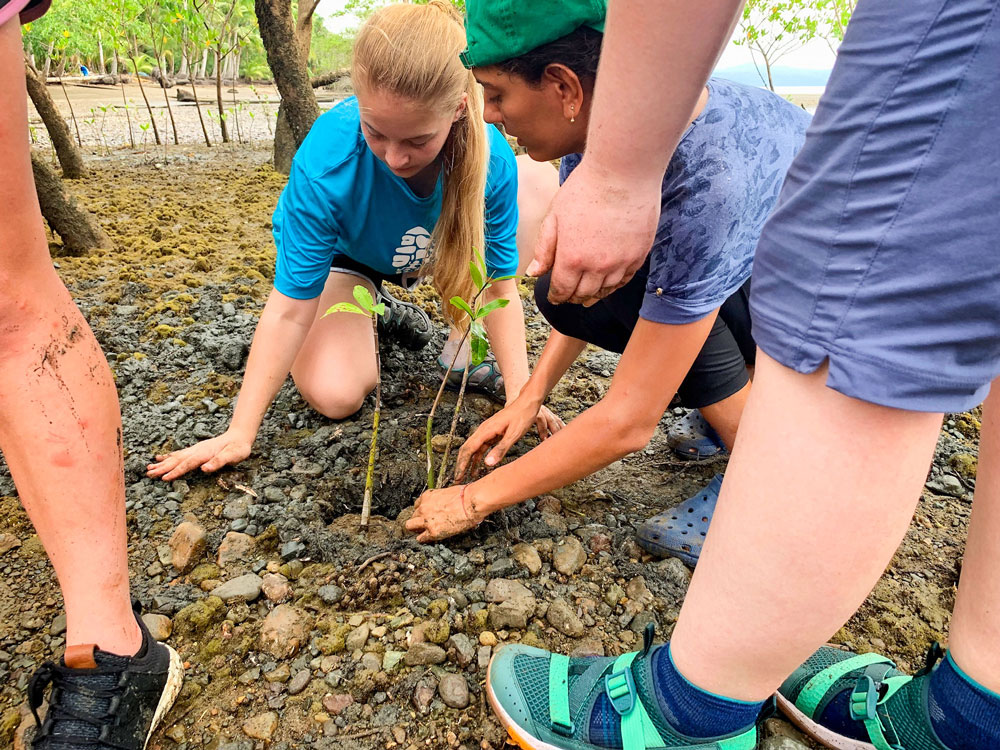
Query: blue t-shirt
column 718, row 190
column 341, row 200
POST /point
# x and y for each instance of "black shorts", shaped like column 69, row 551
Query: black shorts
column 720, row 369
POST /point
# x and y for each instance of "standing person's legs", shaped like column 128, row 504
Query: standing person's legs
column 782, row 571
column 974, row 640
column 60, row 424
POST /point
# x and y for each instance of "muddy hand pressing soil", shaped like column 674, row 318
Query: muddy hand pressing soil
column 298, row 632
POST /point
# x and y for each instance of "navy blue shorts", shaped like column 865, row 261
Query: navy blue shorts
column 883, row 254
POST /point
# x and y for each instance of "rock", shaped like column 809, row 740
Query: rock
column 245, row 588
column 284, row 631
column 198, row 617
column 563, row 618
column 159, row 626
column 527, row 557
column 511, row 614
column 357, row 638
column 392, row 659
column 614, row 595
column 236, row 549
column 186, row 546
column 548, row 504
column 639, row 596
column 276, row 588
column 588, row 647
column 423, row 694
column 335, row 703
column 483, row 656
column 8, row 542
column 672, row 579
column 640, row 621
column 281, row 674
column 423, row 654
column 261, row 727
column 488, row 638
column 204, row 572
column 58, row 626
column 569, row 556
column 504, row 590
column 461, row 649
column 292, row 550
column 299, row 682
column 371, row 662
column 330, row 593
column 946, row 484
column 440, row 442
column 782, row 743
column 454, row 690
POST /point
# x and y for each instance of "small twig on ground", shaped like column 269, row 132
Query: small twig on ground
column 372, row 559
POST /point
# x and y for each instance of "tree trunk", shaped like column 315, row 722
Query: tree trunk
column 218, row 95
column 204, row 63
column 128, row 117
column 287, row 60
column 67, row 152
column 77, row 228
column 197, row 104
column 770, row 80
column 69, row 104
column 142, row 90
column 48, row 61
column 100, row 54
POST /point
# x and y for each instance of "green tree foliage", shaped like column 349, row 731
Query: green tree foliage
column 770, row 30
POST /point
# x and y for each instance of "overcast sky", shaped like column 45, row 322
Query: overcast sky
column 816, row 54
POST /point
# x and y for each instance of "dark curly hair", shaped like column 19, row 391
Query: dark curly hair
column 579, row 51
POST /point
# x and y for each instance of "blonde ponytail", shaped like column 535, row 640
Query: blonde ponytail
column 412, row 51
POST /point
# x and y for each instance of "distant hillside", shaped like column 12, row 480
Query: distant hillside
column 782, row 76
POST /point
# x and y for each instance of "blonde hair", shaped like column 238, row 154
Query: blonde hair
column 412, row 51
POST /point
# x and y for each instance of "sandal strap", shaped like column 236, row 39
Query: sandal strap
column 868, row 701
column 816, row 689
column 559, row 715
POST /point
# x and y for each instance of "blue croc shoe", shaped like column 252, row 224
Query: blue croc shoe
column 680, row 532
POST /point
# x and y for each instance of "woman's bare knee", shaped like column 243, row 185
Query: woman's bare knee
column 334, row 404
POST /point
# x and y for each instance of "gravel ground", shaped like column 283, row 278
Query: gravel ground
column 299, row 632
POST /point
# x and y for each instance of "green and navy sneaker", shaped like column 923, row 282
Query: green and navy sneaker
column 547, row 701
column 850, row 702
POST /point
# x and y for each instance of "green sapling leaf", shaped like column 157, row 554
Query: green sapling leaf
column 379, row 309
column 364, row 298
column 345, row 307
column 461, row 304
column 478, row 349
column 476, row 274
column 491, row 306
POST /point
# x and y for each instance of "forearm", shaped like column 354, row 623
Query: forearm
column 282, row 329
column 609, row 434
column 559, row 353
column 505, row 327
column 643, row 40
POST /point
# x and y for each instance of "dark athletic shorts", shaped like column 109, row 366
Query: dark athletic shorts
column 883, row 254
column 719, row 371
column 29, row 10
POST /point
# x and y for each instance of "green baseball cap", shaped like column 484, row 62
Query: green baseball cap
column 498, row 30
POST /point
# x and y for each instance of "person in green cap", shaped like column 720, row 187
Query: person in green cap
column 681, row 322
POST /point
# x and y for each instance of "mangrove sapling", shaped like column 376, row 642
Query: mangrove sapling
column 479, row 346
column 367, row 306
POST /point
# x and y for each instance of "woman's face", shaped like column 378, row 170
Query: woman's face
column 406, row 135
column 538, row 116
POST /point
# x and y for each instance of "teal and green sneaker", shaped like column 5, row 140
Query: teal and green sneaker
column 860, row 702
column 547, row 701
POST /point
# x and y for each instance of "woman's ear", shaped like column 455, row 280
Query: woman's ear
column 565, row 84
column 462, row 106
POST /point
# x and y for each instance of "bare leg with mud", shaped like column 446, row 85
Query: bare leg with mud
column 781, row 572
column 60, row 424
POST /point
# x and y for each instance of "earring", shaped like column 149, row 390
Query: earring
column 572, row 113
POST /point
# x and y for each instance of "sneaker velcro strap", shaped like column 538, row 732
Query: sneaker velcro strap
column 559, row 717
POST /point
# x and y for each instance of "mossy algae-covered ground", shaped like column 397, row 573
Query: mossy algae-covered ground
column 343, row 640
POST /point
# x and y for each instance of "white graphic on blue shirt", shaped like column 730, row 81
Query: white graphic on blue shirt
column 413, row 251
